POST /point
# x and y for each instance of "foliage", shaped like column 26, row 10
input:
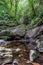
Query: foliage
column 17, row 10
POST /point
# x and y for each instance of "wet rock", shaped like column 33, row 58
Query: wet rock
column 32, row 55
column 39, row 45
column 34, row 32
column 18, row 50
column 15, row 62
column 5, row 55
column 2, row 42
column 5, row 32
column 18, row 31
column 15, row 32
column 30, row 46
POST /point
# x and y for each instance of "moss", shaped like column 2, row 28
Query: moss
column 22, row 26
column 4, row 37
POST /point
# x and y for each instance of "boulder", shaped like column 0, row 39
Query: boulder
column 2, row 42
column 34, row 32
column 15, row 32
column 19, row 30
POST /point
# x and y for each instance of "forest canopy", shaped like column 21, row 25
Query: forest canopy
column 21, row 11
